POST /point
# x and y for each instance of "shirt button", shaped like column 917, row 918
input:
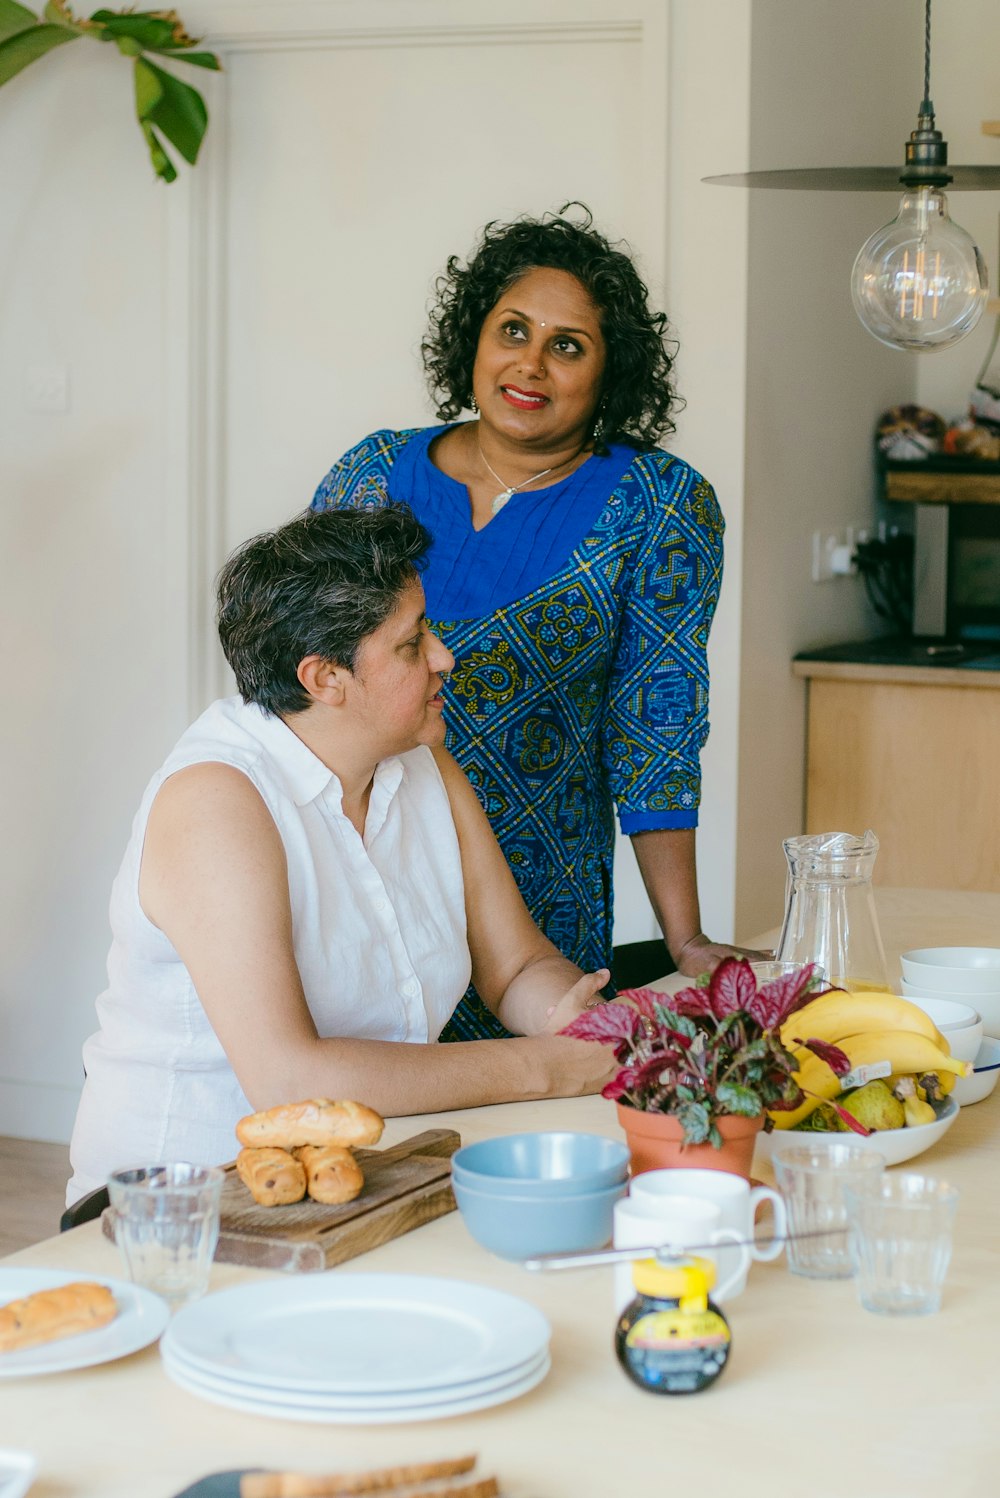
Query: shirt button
column 381, row 905
column 410, row 988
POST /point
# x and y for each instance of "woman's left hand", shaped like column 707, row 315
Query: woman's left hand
column 702, row 955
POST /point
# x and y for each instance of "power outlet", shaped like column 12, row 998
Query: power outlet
column 825, row 545
column 833, row 553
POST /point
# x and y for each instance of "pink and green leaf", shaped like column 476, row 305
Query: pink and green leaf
column 608, row 1024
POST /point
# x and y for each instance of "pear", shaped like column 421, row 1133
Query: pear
column 875, row 1105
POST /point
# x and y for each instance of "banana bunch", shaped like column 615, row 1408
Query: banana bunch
column 869, row 1028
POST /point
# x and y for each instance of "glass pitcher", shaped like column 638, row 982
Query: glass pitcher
column 830, row 910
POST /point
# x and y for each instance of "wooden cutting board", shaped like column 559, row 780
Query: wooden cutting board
column 405, row 1186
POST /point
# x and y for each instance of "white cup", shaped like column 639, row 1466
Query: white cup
column 682, row 1220
column 737, row 1202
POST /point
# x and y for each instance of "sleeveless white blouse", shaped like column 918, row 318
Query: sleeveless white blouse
column 379, row 934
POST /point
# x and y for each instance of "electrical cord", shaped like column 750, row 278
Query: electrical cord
column 886, row 567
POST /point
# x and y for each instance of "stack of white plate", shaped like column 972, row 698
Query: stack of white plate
column 358, row 1348
column 967, row 976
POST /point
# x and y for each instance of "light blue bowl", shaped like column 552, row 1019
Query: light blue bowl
column 545, row 1164
column 516, row 1226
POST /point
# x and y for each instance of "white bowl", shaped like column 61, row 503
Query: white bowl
column 988, row 1004
column 896, row 1145
column 964, row 969
column 960, row 1025
column 985, row 1077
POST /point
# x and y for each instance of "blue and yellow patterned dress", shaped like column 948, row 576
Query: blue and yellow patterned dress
column 579, row 621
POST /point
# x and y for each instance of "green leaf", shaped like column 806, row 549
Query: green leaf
column 28, row 46
column 738, row 1100
column 679, row 1022
column 694, row 1120
column 173, row 107
column 162, row 165
column 15, row 18
column 147, row 30
column 756, row 1049
column 197, row 59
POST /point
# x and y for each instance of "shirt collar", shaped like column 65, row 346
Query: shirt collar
column 304, row 775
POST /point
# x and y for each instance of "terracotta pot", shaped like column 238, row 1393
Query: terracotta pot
column 657, row 1143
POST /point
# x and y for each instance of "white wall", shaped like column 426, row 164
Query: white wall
column 816, row 381
column 842, row 89
column 91, row 552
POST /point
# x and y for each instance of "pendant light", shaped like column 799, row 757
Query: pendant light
column 920, row 282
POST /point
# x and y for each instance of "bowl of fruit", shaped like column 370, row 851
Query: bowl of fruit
column 872, row 1065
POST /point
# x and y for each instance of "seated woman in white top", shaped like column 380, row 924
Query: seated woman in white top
column 311, row 881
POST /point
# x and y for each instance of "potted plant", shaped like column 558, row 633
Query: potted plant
column 698, row 1068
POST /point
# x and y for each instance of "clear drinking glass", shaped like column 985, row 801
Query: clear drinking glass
column 901, row 1229
column 813, row 1180
column 830, row 909
column 166, row 1220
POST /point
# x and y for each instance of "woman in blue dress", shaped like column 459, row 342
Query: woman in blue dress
column 574, row 574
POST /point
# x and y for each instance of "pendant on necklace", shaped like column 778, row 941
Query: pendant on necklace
column 500, row 501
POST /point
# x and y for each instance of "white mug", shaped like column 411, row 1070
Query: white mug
column 737, row 1202
column 682, row 1220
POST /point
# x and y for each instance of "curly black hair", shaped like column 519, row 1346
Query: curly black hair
column 637, row 395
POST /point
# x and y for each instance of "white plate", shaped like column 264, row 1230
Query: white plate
column 896, row 1145
column 357, row 1333
column 349, row 1402
column 331, row 1415
column 140, row 1320
column 17, row 1473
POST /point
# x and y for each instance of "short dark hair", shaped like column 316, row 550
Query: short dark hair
column 637, row 395
column 316, row 586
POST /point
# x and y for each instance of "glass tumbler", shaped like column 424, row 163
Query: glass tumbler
column 166, row 1220
column 901, row 1229
column 813, row 1180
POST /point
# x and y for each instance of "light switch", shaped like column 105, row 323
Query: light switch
column 46, row 387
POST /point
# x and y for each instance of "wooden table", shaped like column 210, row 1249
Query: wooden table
column 820, row 1397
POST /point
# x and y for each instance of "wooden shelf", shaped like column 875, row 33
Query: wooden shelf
column 991, row 127
column 942, row 481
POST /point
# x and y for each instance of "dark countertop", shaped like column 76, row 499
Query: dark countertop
column 895, row 650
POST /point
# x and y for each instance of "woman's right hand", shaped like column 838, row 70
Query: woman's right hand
column 575, row 1068
column 585, row 994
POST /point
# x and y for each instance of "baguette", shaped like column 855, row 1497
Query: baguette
column 333, row 1175
column 290, row 1485
column 64, row 1311
column 342, row 1484
column 273, row 1177
column 314, row 1121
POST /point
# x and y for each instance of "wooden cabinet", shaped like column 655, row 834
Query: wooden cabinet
column 913, row 753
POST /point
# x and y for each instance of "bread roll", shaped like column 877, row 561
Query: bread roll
column 274, row 1177
column 332, row 1173
column 315, row 1121
column 62, row 1312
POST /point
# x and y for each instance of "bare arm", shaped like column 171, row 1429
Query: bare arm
column 214, row 880
column 666, row 860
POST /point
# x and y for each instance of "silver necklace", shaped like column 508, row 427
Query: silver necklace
column 510, row 490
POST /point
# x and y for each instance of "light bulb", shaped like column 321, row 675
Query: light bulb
column 919, row 283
